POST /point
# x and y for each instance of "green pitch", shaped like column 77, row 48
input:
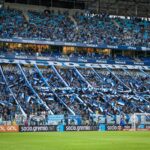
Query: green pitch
column 76, row 141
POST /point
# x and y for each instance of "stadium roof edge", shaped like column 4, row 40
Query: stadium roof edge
column 114, row 7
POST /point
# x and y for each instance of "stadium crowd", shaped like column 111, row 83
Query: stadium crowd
column 89, row 28
column 80, row 91
column 69, row 90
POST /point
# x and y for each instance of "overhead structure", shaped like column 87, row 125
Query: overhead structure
column 114, row 7
column 122, row 7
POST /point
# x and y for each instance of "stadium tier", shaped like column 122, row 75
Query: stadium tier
column 56, row 90
column 81, row 28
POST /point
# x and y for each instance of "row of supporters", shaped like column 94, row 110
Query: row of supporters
column 61, row 128
column 92, row 120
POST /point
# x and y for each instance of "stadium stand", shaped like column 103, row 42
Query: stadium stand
column 32, row 89
column 91, row 29
column 64, row 90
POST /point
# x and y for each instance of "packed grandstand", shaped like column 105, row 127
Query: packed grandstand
column 79, row 27
column 43, row 81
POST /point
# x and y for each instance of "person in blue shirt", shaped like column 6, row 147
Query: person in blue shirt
column 122, row 123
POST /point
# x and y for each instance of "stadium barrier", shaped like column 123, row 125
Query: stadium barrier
column 9, row 128
column 81, row 128
column 62, row 128
column 102, row 127
column 147, row 127
column 118, row 127
column 42, row 128
column 143, row 127
column 58, row 128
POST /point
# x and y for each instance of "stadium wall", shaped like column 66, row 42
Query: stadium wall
column 62, row 128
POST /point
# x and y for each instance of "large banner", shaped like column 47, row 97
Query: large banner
column 74, row 120
column 115, row 119
column 20, row 119
column 43, row 128
column 9, row 128
column 55, row 119
column 81, row 128
column 99, row 118
column 37, row 120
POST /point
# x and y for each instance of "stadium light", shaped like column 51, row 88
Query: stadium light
column 2, row 3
